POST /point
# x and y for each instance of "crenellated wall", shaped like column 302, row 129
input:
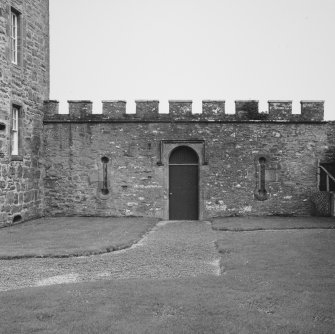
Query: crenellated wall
column 134, row 150
column 245, row 110
column 26, row 85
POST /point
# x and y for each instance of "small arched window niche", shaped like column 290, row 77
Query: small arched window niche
column 261, row 193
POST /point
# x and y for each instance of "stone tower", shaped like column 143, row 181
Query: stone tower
column 24, row 85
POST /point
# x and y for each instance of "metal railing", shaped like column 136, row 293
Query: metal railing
column 328, row 177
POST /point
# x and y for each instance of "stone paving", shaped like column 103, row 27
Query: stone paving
column 173, row 249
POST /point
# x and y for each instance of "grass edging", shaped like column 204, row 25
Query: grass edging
column 77, row 254
column 269, row 229
column 271, row 223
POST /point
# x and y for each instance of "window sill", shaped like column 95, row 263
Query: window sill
column 16, row 67
column 16, row 158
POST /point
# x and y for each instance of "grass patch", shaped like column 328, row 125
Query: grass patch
column 65, row 237
column 293, row 270
column 240, row 224
column 199, row 305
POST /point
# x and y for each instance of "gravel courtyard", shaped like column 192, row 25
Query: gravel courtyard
column 170, row 250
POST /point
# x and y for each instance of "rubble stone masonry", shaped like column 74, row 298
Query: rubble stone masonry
column 26, row 85
column 229, row 147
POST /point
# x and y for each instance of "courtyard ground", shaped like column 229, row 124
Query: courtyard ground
column 183, row 277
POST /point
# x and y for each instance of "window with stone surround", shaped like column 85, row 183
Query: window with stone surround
column 15, row 21
column 15, row 130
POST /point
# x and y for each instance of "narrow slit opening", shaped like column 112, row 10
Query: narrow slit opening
column 104, row 190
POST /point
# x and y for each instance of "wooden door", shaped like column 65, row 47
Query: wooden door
column 184, row 184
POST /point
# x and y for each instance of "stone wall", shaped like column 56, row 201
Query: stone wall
column 229, row 147
column 26, row 85
column 251, row 163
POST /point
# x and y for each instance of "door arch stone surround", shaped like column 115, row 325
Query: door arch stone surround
column 166, row 147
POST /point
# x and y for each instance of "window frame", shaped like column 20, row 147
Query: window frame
column 15, row 36
column 15, row 132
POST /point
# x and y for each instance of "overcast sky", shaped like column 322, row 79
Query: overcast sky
column 193, row 49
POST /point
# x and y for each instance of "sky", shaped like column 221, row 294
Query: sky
column 193, row 49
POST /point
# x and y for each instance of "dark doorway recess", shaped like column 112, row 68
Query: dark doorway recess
column 183, row 184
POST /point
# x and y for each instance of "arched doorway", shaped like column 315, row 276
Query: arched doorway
column 183, row 184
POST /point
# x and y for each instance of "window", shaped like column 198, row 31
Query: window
column 15, row 130
column 14, row 36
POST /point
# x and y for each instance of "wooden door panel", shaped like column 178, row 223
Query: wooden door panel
column 183, row 192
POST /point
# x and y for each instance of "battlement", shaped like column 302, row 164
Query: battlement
column 181, row 110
